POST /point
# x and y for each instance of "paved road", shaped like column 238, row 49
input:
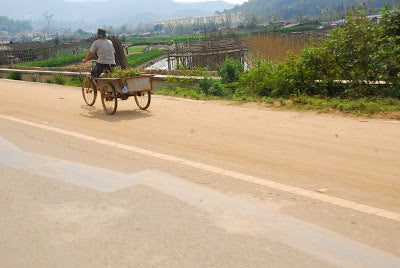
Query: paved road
column 192, row 183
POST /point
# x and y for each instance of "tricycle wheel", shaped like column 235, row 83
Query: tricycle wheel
column 109, row 99
column 143, row 99
column 89, row 91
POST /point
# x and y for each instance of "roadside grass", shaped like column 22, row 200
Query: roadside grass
column 372, row 107
column 369, row 107
column 190, row 93
column 75, row 82
column 60, row 79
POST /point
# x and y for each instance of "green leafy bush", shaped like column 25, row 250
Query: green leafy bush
column 389, row 52
column 14, row 75
column 212, row 87
column 60, row 79
column 230, row 70
column 276, row 79
column 76, row 82
column 360, row 53
column 350, row 64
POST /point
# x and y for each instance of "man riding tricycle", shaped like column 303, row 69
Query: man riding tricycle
column 113, row 85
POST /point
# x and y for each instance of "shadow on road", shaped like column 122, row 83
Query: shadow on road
column 120, row 115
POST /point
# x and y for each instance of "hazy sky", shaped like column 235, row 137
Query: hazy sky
column 229, row 1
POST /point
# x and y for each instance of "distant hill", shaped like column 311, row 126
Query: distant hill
column 267, row 10
column 13, row 26
column 89, row 15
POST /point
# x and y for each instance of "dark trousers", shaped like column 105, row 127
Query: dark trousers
column 99, row 68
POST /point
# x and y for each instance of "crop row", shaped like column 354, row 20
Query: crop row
column 136, row 59
column 136, row 49
column 55, row 62
column 164, row 40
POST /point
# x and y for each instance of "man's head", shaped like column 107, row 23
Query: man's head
column 101, row 33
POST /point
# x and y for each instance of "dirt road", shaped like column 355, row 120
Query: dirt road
column 339, row 173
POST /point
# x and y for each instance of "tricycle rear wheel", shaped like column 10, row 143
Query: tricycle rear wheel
column 109, row 99
column 89, row 91
column 143, row 99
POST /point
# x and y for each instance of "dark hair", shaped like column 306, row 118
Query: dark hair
column 101, row 33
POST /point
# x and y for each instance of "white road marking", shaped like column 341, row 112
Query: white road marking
column 395, row 122
column 248, row 178
column 231, row 214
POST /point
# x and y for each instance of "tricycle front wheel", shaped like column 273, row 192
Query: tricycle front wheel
column 109, row 99
column 143, row 99
column 89, row 91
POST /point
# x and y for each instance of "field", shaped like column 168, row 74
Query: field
column 136, row 49
column 162, row 40
column 136, row 59
column 275, row 48
column 55, row 62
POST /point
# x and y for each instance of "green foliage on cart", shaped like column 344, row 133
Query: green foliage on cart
column 118, row 72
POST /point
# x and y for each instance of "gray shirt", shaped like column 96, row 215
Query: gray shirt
column 105, row 51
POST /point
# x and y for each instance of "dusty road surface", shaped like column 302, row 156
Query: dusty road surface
column 192, row 184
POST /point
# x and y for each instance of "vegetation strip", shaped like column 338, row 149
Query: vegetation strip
column 136, row 59
column 55, row 62
column 364, row 54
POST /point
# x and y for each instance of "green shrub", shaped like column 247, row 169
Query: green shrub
column 60, row 79
column 217, row 89
column 212, row 87
column 230, row 70
column 267, row 80
column 361, row 51
column 341, row 66
column 75, row 82
column 14, row 75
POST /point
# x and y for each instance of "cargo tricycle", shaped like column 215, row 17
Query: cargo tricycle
column 111, row 89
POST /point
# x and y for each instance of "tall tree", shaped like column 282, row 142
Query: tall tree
column 48, row 17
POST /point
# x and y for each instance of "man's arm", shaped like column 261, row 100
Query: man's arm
column 87, row 57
